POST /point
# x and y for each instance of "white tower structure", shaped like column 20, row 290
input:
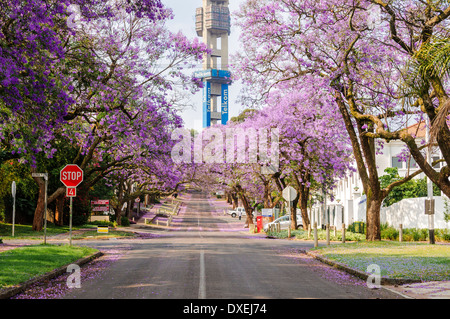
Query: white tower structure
column 213, row 23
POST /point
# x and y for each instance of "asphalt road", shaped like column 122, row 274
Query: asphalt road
column 207, row 257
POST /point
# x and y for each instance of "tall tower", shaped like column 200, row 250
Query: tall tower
column 213, row 23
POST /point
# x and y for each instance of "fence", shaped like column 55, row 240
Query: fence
column 334, row 213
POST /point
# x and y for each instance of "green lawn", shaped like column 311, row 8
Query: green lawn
column 93, row 233
column 26, row 232
column 21, row 264
column 396, row 260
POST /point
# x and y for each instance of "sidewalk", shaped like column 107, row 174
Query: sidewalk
column 152, row 214
column 414, row 290
column 424, row 290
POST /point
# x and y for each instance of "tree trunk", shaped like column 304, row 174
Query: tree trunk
column 364, row 153
column 229, row 199
column 245, row 203
column 373, row 230
column 293, row 212
column 235, row 199
column 39, row 211
column 304, row 209
column 59, row 210
column 266, row 194
column 303, row 194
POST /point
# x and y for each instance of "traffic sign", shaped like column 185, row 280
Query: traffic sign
column 100, row 202
column 429, row 206
column 13, row 189
column 44, row 175
column 100, row 209
column 103, row 229
column 267, row 212
column 71, row 192
column 289, row 193
column 71, row 175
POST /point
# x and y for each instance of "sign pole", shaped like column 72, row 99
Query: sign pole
column 314, row 215
column 45, row 209
column 71, row 176
column 429, row 186
column 70, row 222
column 13, row 192
column 326, row 215
column 289, row 194
column 290, row 221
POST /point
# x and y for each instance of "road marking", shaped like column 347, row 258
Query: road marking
column 202, row 286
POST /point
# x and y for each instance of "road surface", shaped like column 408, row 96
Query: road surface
column 208, row 257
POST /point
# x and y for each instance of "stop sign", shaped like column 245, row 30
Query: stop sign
column 71, row 175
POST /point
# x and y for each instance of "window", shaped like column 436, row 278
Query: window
column 412, row 163
column 396, row 162
column 436, row 158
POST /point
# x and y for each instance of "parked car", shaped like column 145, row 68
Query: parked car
column 235, row 212
column 284, row 222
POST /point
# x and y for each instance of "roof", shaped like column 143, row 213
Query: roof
column 417, row 130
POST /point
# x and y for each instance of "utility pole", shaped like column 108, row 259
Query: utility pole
column 13, row 193
column 430, row 208
column 327, row 213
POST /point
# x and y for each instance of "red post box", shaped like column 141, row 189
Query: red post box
column 259, row 223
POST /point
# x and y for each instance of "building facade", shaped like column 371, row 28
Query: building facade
column 349, row 201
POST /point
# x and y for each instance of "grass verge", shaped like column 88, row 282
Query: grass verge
column 24, row 263
column 418, row 261
column 78, row 232
column 26, row 231
column 321, row 235
column 86, row 234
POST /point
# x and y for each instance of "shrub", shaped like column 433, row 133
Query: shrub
column 78, row 220
column 125, row 221
column 357, row 227
column 415, row 234
column 411, row 189
column 388, row 232
column 442, row 234
column 321, row 235
column 103, row 223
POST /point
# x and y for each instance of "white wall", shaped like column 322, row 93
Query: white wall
column 410, row 213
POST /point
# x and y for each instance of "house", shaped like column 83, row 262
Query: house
column 349, row 203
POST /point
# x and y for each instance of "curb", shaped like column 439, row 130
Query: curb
column 12, row 291
column 362, row 275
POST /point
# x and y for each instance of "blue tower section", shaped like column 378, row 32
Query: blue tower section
column 215, row 84
column 206, row 104
column 224, row 104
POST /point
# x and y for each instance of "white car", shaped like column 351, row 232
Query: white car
column 235, row 212
column 284, row 222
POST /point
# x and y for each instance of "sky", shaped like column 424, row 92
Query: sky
column 184, row 20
